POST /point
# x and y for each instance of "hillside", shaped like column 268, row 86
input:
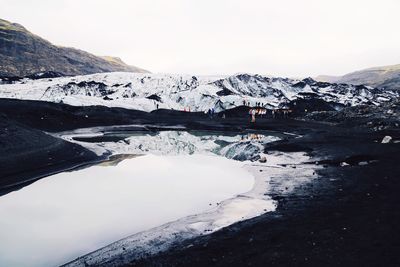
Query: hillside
column 387, row 77
column 23, row 53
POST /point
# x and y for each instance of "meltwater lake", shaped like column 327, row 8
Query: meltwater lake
column 160, row 178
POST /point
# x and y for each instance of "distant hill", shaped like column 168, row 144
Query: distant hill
column 381, row 77
column 23, row 53
column 327, row 78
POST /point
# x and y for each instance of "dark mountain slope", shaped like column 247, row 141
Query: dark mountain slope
column 23, row 53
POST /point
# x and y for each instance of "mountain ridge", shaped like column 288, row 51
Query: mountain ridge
column 23, row 53
column 387, row 77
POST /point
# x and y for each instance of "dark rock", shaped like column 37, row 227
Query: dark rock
column 154, row 97
column 23, row 53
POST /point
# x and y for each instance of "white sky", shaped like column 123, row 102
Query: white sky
column 277, row 37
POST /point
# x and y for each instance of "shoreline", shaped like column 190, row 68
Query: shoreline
column 250, row 205
column 19, row 185
column 142, row 244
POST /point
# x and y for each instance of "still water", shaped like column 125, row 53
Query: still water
column 61, row 217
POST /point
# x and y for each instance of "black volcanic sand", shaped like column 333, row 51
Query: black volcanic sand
column 27, row 154
column 349, row 216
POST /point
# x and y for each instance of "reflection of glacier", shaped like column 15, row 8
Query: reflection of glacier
column 239, row 147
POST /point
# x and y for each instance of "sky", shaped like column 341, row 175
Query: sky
column 292, row 38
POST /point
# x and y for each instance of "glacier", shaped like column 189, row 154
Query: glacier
column 148, row 92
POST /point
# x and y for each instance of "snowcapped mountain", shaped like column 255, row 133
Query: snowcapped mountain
column 184, row 92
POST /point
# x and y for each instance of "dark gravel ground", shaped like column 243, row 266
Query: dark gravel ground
column 28, row 154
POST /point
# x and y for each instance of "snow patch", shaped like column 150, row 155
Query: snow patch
column 387, row 139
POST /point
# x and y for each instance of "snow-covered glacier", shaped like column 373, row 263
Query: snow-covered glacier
column 148, row 92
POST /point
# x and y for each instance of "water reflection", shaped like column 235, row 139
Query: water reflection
column 236, row 146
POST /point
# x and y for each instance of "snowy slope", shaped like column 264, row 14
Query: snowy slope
column 179, row 92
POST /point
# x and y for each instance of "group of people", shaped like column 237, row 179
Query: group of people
column 257, row 111
column 276, row 113
column 247, row 103
column 253, row 112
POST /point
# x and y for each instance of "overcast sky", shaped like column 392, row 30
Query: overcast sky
column 277, row 37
